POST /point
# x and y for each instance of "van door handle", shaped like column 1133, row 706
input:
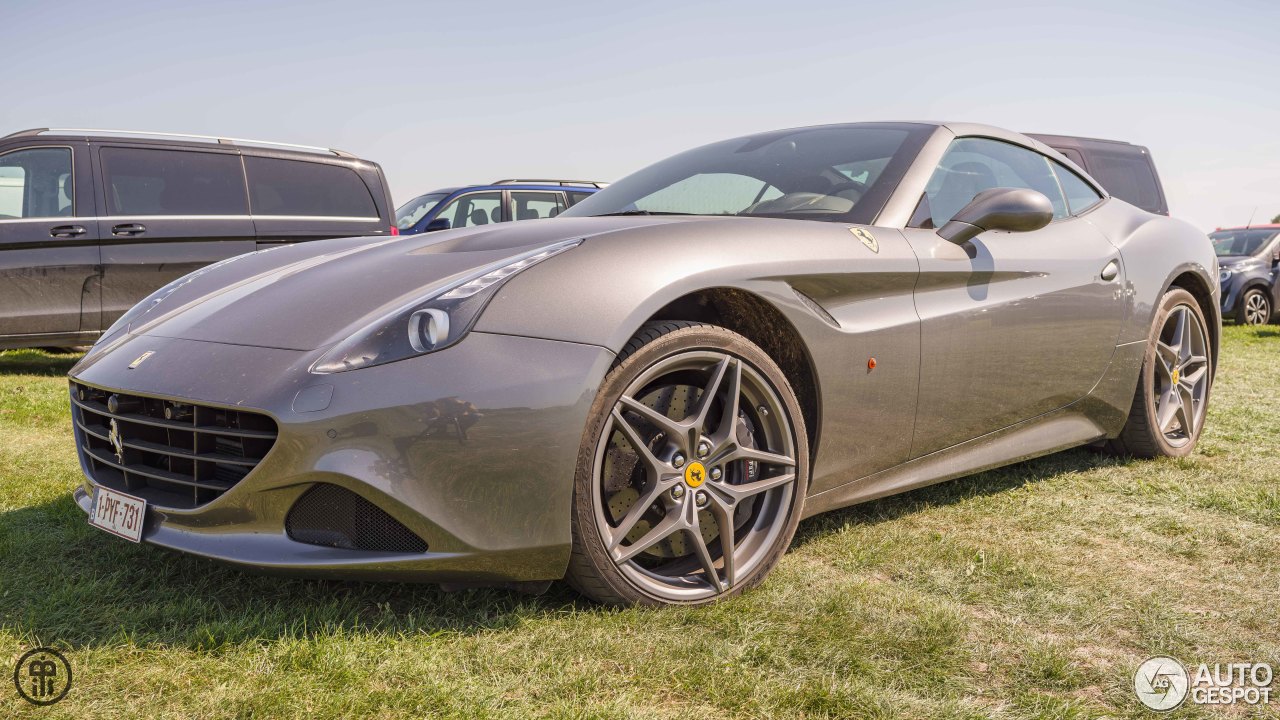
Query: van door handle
column 66, row 231
column 1111, row 271
column 129, row 229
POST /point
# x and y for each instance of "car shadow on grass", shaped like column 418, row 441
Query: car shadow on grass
column 66, row 583
column 63, row 582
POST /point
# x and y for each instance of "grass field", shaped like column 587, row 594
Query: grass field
column 1032, row 591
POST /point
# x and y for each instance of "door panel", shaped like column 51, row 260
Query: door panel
column 168, row 212
column 1014, row 326
column 48, row 251
column 167, row 248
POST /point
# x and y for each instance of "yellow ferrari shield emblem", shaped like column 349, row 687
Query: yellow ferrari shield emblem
column 695, row 474
column 867, row 238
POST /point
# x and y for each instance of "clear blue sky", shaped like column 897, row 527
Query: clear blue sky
column 451, row 93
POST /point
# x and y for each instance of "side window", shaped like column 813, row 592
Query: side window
column 1080, row 195
column 577, row 197
column 311, row 189
column 535, row 205
column 36, row 183
column 972, row 165
column 142, row 181
column 473, row 209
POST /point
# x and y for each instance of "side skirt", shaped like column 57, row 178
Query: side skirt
column 1058, row 430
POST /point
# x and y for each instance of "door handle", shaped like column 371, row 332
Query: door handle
column 66, row 231
column 1111, row 271
column 129, row 229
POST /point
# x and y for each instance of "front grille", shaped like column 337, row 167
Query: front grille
column 333, row 516
column 170, row 453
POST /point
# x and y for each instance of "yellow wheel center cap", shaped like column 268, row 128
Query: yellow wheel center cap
column 695, row 474
column 1176, row 375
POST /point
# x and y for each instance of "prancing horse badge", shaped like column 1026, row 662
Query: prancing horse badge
column 867, row 238
column 143, row 357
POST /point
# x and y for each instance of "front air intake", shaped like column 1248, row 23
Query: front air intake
column 171, row 452
column 333, row 516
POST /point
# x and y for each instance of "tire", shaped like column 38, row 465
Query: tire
column 1171, row 366
column 752, row 472
column 1255, row 308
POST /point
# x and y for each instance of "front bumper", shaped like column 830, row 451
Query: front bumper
column 494, row 508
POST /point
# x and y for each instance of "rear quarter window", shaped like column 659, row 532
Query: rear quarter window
column 296, row 187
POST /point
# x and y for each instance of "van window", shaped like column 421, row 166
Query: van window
column 1128, row 177
column 577, row 197
column 36, row 183
column 296, row 187
column 142, row 181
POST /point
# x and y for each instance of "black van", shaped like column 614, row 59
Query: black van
column 92, row 221
column 1124, row 169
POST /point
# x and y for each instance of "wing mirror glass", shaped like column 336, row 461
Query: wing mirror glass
column 1011, row 209
column 437, row 224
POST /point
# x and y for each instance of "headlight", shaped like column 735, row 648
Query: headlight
column 1224, row 274
column 432, row 323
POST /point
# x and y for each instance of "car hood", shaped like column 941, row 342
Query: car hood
column 311, row 295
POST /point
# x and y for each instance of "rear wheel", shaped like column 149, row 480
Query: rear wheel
column 692, row 472
column 1255, row 308
column 1173, row 388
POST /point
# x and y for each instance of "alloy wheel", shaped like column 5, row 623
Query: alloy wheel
column 1257, row 310
column 1182, row 376
column 694, row 475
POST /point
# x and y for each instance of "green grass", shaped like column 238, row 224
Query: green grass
column 1031, row 591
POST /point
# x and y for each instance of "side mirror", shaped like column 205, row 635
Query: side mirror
column 1012, row 209
column 437, row 224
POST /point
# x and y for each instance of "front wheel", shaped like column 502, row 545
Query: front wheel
column 1255, row 308
column 1173, row 388
column 692, row 472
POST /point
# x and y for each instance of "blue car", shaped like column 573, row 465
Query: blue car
column 501, row 201
column 1248, row 262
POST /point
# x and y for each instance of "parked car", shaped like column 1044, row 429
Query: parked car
column 1124, row 169
column 659, row 384
column 500, row 201
column 1248, row 262
column 92, row 221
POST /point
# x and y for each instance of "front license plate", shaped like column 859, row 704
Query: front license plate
column 118, row 514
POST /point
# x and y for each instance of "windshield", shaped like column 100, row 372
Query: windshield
column 840, row 173
column 1241, row 242
column 411, row 212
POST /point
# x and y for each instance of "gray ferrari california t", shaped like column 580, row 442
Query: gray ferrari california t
column 646, row 394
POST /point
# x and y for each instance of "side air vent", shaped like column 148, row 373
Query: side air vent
column 333, row 516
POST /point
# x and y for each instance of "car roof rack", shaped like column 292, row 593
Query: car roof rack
column 563, row 183
column 181, row 136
